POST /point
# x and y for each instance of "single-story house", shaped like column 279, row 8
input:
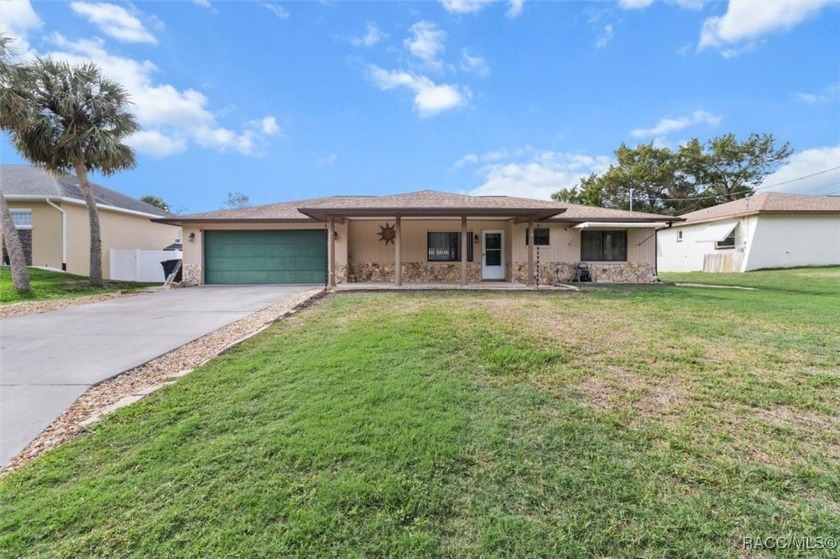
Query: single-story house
column 52, row 221
column 423, row 236
column 768, row 230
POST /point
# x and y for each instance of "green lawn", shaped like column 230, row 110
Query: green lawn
column 618, row 422
column 47, row 285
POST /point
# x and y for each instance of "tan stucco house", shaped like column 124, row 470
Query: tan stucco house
column 423, row 236
column 52, row 220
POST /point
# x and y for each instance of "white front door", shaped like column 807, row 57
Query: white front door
column 492, row 255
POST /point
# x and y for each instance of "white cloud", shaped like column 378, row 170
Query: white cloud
column 803, row 164
column 826, row 96
column 202, row 3
column 634, row 4
column 515, row 8
column 475, row 6
column 429, row 98
column 541, row 175
column 372, row 36
column 643, row 4
column 327, row 160
column 668, row 125
column 746, row 21
column 426, row 43
column 469, row 159
column 268, row 126
column 168, row 115
column 156, row 144
column 604, row 37
column 17, row 19
column 688, row 4
column 464, row 6
column 474, row 64
column 114, row 21
column 275, row 9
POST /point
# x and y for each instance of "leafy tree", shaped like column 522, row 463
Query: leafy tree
column 650, row 172
column 236, row 200
column 672, row 182
column 75, row 120
column 12, row 112
column 730, row 170
column 155, row 201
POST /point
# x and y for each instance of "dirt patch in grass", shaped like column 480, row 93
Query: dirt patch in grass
column 800, row 420
column 621, row 389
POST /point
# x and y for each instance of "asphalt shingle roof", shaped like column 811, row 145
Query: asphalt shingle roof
column 767, row 202
column 23, row 180
column 426, row 201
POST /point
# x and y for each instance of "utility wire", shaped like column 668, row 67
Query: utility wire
column 708, row 197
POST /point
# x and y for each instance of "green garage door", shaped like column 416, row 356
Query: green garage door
column 265, row 256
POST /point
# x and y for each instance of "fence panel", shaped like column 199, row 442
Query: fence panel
column 140, row 265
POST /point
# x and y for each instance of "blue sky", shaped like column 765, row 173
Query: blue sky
column 290, row 100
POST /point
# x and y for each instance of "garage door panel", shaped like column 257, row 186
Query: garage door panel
column 293, row 256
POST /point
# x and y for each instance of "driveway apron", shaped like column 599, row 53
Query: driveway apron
column 48, row 360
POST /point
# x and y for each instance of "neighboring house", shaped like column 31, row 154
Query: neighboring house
column 423, row 236
column 768, row 230
column 52, row 220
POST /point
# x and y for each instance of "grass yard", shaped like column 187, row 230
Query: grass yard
column 646, row 421
column 47, row 285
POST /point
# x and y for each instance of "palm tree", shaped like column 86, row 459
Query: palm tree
column 76, row 120
column 12, row 111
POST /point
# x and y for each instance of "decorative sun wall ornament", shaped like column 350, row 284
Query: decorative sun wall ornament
column 387, row 233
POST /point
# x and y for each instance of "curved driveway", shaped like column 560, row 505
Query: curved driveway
column 48, row 360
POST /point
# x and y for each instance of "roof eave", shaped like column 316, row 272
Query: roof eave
column 179, row 221
column 78, row 202
column 518, row 214
column 666, row 219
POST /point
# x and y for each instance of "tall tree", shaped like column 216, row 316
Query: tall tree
column 725, row 169
column 155, row 201
column 694, row 176
column 648, row 173
column 76, row 121
column 13, row 109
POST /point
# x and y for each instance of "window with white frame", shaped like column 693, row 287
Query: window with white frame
column 679, row 236
column 728, row 242
column 22, row 219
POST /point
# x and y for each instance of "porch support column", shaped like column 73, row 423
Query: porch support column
column 464, row 245
column 398, row 253
column 331, row 253
column 530, row 252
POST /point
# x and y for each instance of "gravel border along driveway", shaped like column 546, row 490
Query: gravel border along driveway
column 146, row 378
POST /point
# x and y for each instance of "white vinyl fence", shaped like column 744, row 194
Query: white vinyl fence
column 140, row 265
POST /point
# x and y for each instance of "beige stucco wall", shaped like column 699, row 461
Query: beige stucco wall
column 564, row 244
column 46, row 233
column 120, row 231
column 194, row 249
column 365, row 245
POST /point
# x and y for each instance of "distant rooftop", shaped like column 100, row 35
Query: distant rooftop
column 32, row 182
column 767, row 202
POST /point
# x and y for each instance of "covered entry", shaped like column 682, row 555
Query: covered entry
column 279, row 256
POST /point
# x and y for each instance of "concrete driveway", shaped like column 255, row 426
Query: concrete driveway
column 48, row 360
